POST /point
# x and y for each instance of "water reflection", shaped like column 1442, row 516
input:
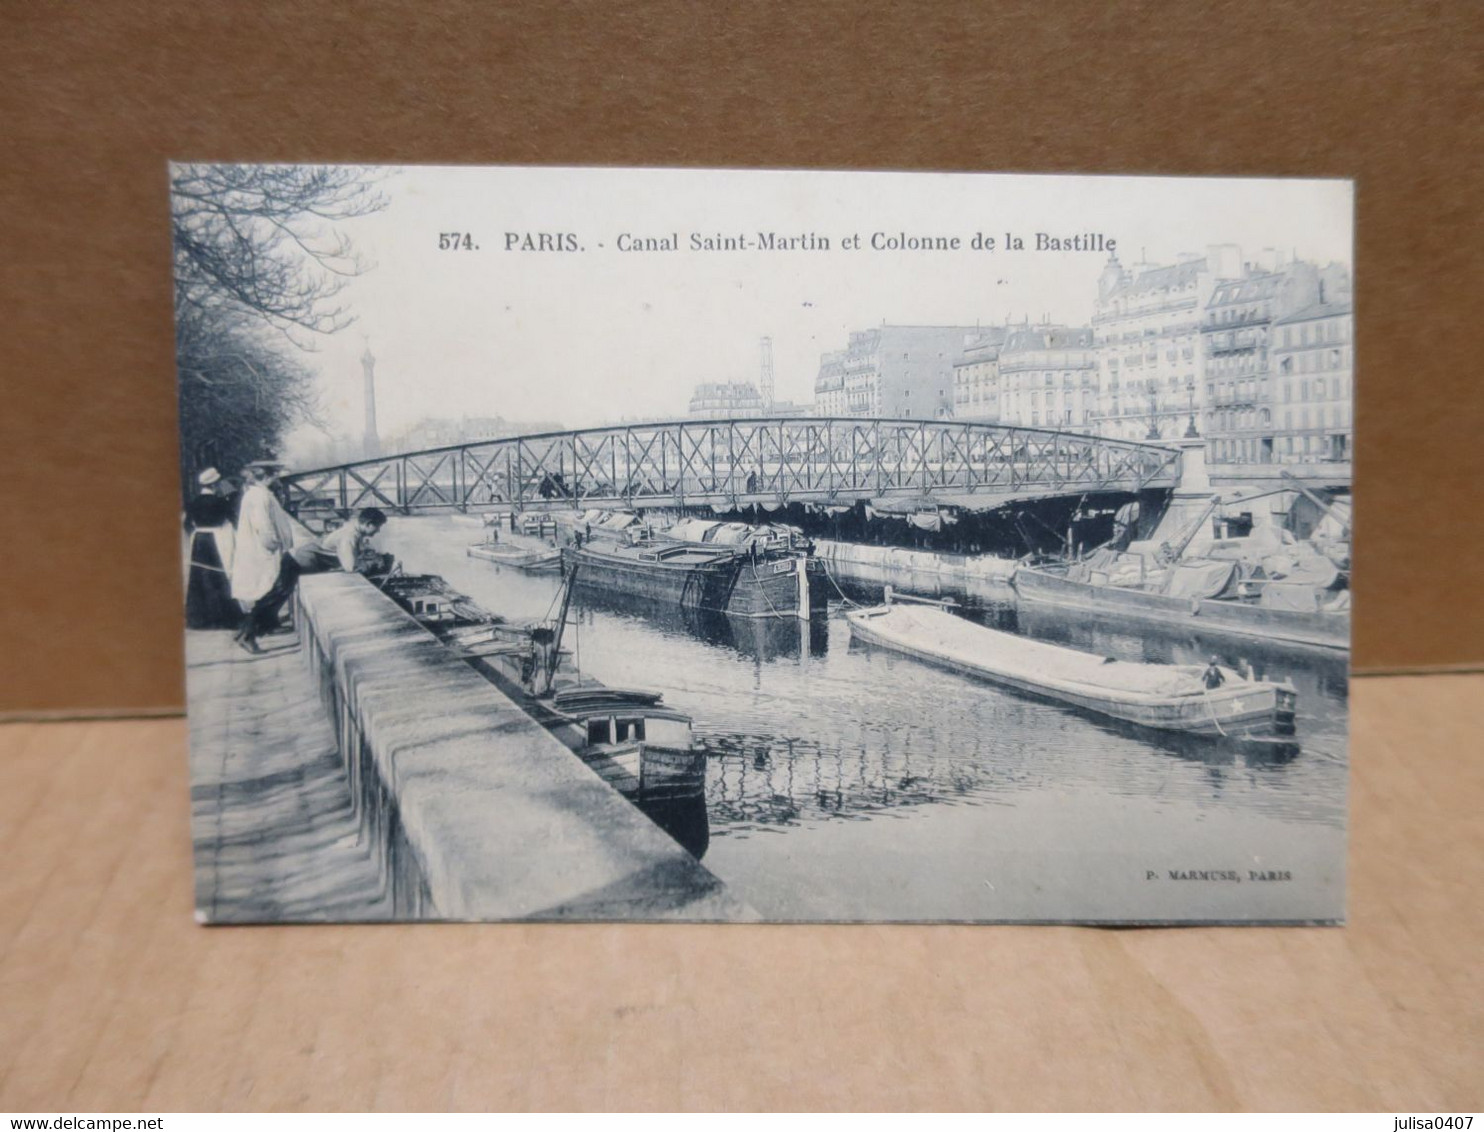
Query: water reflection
column 671, row 792
column 764, row 779
column 760, row 639
column 759, row 780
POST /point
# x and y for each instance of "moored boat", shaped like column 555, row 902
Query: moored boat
column 694, row 576
column 627, row 736
column 535, row 560
column 1315, row 628
column 1237, row 563
column 1167, row 697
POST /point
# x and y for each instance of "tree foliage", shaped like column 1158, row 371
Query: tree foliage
column 241, row 390
column 259, row 267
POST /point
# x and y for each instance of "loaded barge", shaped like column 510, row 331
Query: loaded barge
column 1315, row 628
column 1227, row 563
column 712, row 567
column 1165, row 697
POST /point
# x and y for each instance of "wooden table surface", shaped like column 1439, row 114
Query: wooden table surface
column 113, row 999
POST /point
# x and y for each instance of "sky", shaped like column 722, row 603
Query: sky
column 589, row 336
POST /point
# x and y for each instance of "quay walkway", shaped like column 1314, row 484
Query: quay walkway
column 275, row 831
column 356, row 770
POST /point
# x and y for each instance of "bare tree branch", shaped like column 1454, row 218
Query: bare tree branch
column 259, row 265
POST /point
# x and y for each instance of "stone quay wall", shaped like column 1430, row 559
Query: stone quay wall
column 478, row 812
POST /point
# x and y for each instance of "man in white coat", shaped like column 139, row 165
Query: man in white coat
column 263, row 573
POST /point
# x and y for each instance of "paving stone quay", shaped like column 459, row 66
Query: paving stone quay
column 275, row 834
column 448, row 802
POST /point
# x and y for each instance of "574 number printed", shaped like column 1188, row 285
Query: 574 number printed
column 456, row 242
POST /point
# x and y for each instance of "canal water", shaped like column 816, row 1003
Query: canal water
column 847, row 783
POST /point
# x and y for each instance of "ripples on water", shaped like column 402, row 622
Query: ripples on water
column 804, row 729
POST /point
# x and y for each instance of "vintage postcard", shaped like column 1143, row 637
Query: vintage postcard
column 639, row 544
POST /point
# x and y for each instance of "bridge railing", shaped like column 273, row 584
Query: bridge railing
column 734, row 462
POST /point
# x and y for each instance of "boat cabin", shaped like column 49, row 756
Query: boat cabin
column 614, row 717
column 434, row 603
column 432, row 608
column 664, row 730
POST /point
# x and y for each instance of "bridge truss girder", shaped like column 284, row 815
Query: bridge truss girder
column 737, row 462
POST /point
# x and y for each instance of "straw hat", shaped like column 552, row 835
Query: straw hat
column 209, row 477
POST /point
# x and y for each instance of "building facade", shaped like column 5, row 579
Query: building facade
column 976, row 377
column 893, row 371
column 829, row 386
column 1147, row 332
column 1255, row 356
column 1236, row 334
column 1048, row 378
column 727, row 400
column 1313, row 363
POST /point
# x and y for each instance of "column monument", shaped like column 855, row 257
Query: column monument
column 371, row 442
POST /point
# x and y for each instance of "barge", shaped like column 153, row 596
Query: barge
column 698, row 577
column 1314, row 628
column 534, row 560
column 1231, row 563
column 1165, row 697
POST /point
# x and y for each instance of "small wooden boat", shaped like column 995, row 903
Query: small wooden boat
column 1168, row 697
column 535, row 560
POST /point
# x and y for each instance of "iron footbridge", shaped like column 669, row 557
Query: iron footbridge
column 735, row 463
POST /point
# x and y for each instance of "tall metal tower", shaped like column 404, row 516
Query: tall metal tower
column 765, row 382
column 372, row 440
